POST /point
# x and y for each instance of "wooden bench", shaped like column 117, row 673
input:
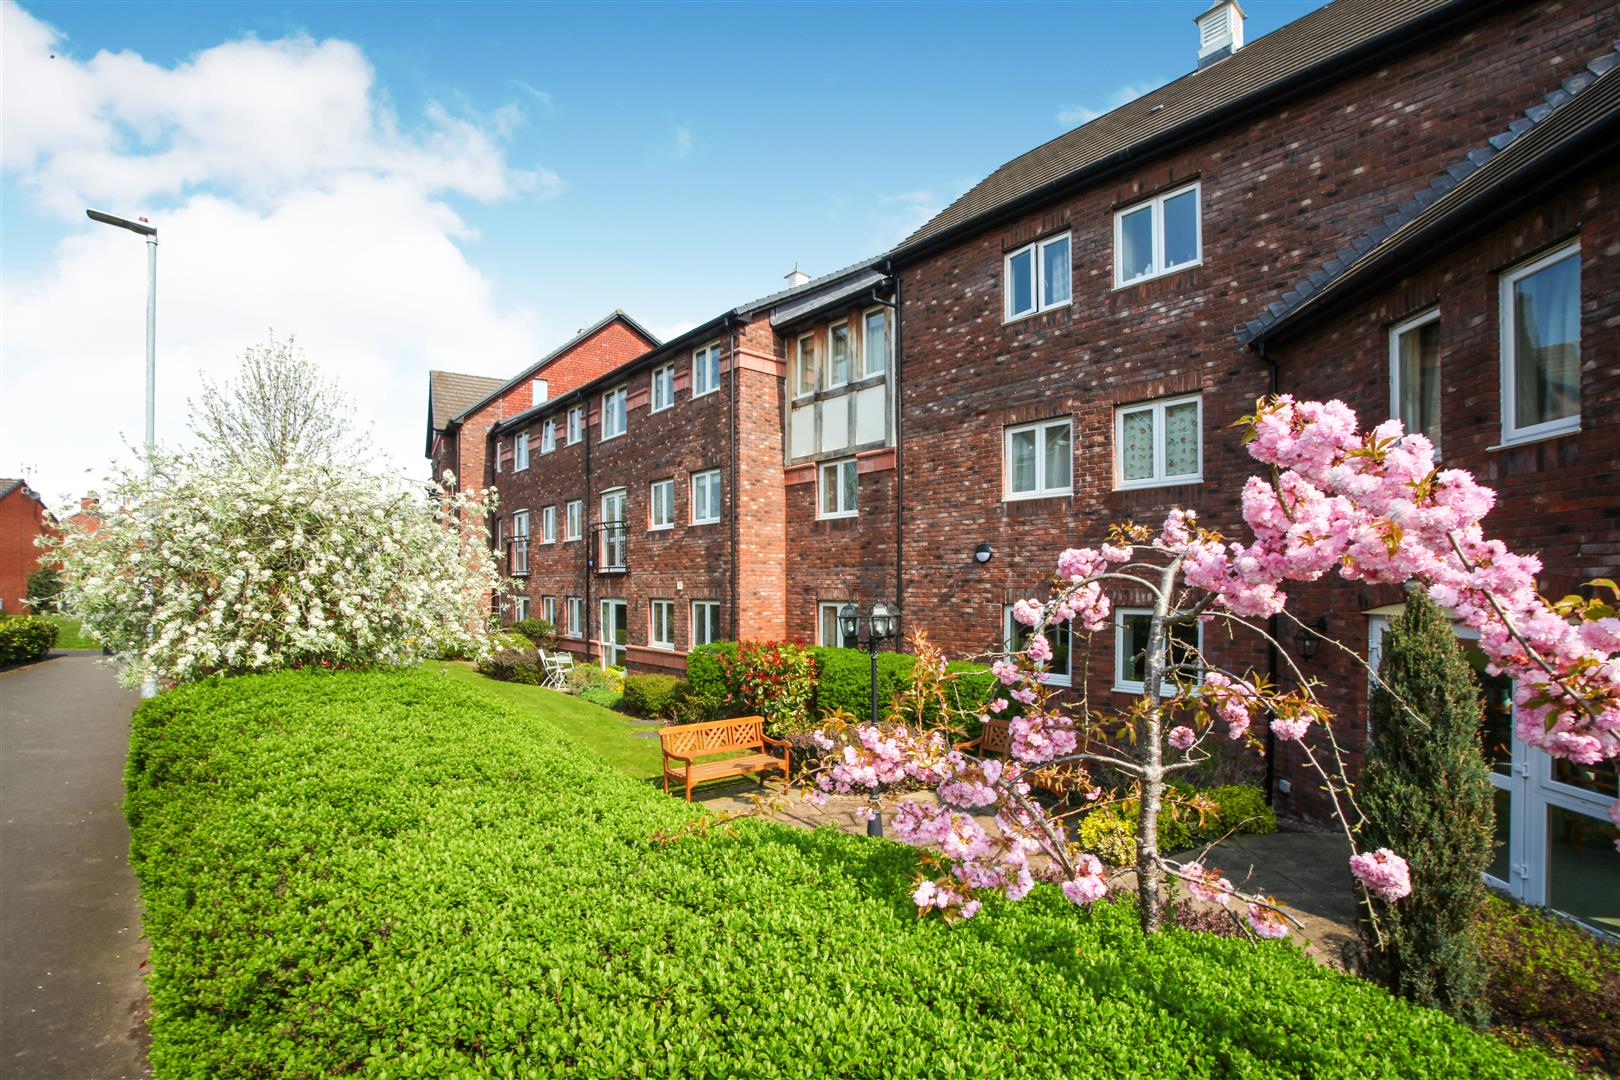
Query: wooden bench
column 995, row 737
column 684, row 743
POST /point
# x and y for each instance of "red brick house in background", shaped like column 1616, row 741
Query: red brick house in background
column 463, row 408
column 22, row 518
column 1407, row 204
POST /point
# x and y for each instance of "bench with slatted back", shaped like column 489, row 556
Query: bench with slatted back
column 684, row 743
column 995, row 737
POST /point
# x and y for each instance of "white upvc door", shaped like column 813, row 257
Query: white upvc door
column 615, row 619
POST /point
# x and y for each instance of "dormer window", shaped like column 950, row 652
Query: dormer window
column 1037, row 277
column 1158, row 237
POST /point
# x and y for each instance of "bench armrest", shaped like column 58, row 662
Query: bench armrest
column 677, row 757
column 775, row 742
column 970, row 744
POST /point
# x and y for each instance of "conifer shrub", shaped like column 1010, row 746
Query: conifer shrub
column 1426, row 793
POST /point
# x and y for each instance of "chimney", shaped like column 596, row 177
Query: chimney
column 797, row 277
column 541, row 392
column 1220, row 32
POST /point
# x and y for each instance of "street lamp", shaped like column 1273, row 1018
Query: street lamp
column 142, row 227
column 882, row 623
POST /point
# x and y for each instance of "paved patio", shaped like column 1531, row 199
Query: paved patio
column 1307, row 872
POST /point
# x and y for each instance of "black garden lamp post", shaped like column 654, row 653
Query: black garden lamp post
column 882, row 623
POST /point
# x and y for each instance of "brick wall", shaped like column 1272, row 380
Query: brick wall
column 1279, row 196
column 1556, row 497
column 22, row 518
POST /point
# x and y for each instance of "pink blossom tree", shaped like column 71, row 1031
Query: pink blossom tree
column 1372, row 506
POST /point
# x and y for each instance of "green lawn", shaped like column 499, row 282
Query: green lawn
column 68, row 634
column 611, row 735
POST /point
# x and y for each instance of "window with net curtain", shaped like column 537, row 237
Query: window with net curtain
column 1415, row 374
column 1159, row 442
column 1542, row 346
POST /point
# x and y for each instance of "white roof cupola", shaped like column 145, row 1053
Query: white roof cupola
column 1220, row 32
column 796, row 277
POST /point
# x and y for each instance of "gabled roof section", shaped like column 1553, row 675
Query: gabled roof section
column 1310, row 51
column 534, row 369
column 1578, row 120
column 450, row 394
column 7, row 486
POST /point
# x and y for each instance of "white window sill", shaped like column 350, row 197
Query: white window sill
column 1021, row 316
column 838, row 516
column 660, row 645
column 610, row 438
column 1028, row 496
column 1174, row 481
column 548, row 542
column 661, row 408
column 1127, row 688
column 573, row 539
column 703, row 394
column 1571, row 427
column 707, row 521
column 661, row 528
column 1155, row 275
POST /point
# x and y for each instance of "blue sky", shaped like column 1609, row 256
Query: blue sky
column 669, row 159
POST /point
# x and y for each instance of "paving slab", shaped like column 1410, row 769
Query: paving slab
column 73, row 1001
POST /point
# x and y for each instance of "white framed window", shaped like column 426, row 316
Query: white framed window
column 661, row 505
column 520, row 452
column 574, row 520
column 576, row 424
column 1158, row 237
column 661, row 629
column 548, row 610
column 539, row 391
column 1131, row 626
column 613, row 414
column 838, row 487
column 1039, row 460
column 706, row 370
column 1036, row 277
column 804, row 366
column 1541, row 346
column 500, row 449
column 576, row 616
column 663, row 388
column 1159, row 442
column 518, row 561
column 838, row 354
column 828, row 632
column 706, row 497
column 548, row 435
column 548, row 525
column 874, row 342
column 1015, row 638
column 705, row 622
column 1414, row 374
column 520, row 608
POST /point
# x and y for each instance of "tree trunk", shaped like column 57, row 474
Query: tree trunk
column 1149, row 871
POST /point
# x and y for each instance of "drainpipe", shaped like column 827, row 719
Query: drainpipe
column 899, row 472
column 1273, row 624
column 736, row 502
column 588, row 537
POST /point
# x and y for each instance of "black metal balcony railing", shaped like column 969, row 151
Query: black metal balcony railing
column 517, row 558
column 610, row 547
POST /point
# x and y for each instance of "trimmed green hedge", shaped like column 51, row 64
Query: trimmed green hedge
column 654, row 695
column 25, row 637
column 1109, row 832
column 395, row 873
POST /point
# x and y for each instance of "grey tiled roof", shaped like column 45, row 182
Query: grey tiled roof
column 1311, row 48
column 450, row 394
column 1581, row 108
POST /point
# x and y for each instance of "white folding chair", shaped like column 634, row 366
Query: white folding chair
column 563, row 663
column 556, row 677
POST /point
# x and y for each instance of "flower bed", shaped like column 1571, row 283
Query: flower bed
column 394, row 871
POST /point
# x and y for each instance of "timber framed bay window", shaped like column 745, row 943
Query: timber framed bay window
column 1131, row 626
column 663, row 388
column 874, row 342
column 576, row 617
column 661, row 625
column 828, row 630
column 520, row 452
column 804, row 366
column 1039, row 460
column 838, row 355
column 1414, row 374
column 706, row 370
column 661, row 505
column 706, row 497
column 1037, row 277
column 705, row 622
column 1541, row 346
column 576, row 424
column 1159, row 442
column 838, row 487
column 613, row 413
column 1015, row 638
column 1158, row 236
column 574, row 520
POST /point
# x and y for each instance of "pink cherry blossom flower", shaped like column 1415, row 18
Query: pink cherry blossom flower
column 1181, row 737
column 1384, row 873
column 1266, row 923
column 1088, row 884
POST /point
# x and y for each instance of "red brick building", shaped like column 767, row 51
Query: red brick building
column 23, row 517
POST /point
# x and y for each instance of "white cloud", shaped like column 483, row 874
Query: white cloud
column 1075, row 115
column 683, row 140
column 286, row 196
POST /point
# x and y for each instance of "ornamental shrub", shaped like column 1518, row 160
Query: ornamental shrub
column 392, row 873
column 44, row 591
column 25, row 637
column 1426, row 793
column 654, row 695
column 844, row 680
column 705, row 671
column 513, row 665
column 539, row 631
column 1109, row 832
column 773, row 679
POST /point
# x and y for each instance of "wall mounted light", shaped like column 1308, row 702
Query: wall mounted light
column 982, row 553
column 1310, row 636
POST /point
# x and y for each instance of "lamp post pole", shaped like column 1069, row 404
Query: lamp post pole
column 144, row 228
column 880, row 625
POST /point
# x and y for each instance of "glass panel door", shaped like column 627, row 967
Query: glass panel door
column 613, row 531
column 615, row 617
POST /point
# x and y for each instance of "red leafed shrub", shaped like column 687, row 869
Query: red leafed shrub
column 774, row 679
